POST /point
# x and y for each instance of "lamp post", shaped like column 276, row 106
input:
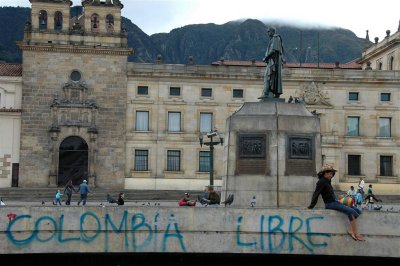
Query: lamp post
column 211, row 135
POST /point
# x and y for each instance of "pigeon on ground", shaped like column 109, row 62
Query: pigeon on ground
column 229, row 200
column 111, row 199
column 253, row 201
column 2, row 202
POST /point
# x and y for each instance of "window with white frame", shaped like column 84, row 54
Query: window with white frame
column 142, row 121
column 173, row 160
column 205, row 122
column 386, row 165
column 385, row 127
column 353, row 164
column 204, row 161
column 141, row 160
column 174, row 121
column 353, row 126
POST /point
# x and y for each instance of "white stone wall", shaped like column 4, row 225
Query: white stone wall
column 10, row 126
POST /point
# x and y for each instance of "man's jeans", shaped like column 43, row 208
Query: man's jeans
column 83, row 198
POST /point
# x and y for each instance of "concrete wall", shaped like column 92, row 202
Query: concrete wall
column 76, row 229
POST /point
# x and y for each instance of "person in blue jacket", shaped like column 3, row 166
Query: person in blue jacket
column 84, row 190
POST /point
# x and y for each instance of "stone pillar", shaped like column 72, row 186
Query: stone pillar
column 92, row 156
column 54, row 131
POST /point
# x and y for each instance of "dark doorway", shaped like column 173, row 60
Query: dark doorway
column 15, row 175
column 73, row 161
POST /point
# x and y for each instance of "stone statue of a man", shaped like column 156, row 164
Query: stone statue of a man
column 273, row 70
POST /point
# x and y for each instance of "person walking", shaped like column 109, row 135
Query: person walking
column 325, row 189
column 58, row 198
column 370, row 203
column 371, row 194
column 359, row 199
column 361, row 185
column 84, row 191
column 69, row 188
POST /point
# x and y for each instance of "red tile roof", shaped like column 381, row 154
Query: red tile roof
column 8, row 69
column 349, row 65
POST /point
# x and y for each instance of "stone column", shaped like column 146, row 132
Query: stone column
column 92, row 153
column 54, row 131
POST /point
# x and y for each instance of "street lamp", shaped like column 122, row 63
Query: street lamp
column 211, row 135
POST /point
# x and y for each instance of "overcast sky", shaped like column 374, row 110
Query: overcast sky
column 155, row 16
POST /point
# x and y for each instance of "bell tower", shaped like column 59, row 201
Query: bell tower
column 99, row 25
column 50, row 15
column 74, row 95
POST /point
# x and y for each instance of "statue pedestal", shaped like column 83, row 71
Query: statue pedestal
column 272, row 154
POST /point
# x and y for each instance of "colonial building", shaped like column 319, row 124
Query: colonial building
column 89, row 114
column 10, row 123
column 383, row 55
column 74, row 95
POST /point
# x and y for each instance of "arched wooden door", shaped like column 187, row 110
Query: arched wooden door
column 73, row 161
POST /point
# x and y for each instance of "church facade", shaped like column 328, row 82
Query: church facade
column 89, row 114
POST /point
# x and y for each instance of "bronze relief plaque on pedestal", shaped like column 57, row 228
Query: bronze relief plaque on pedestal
column 251, row 150
column 300, row 155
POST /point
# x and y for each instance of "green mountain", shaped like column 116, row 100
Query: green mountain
column 206, row 43
column 12, row 30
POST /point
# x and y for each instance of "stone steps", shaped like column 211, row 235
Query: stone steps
column 47, row 194
column 100, row 194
